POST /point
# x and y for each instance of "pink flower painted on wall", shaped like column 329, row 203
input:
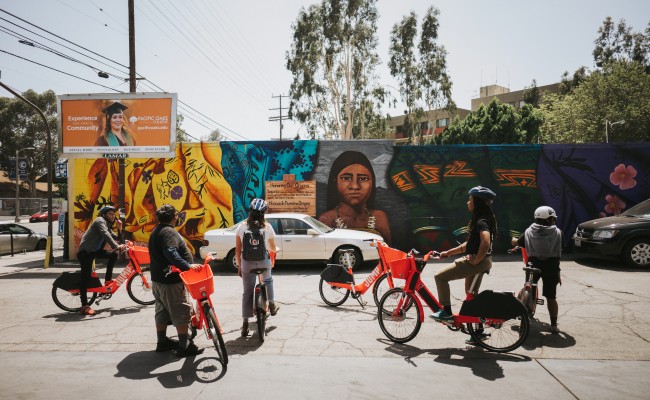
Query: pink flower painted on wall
column 613, row 204
column 623, row 176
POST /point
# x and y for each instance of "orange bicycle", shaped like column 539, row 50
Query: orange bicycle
column 200, row 284
column 337, row 281
column 496, row 320
column 65, row 289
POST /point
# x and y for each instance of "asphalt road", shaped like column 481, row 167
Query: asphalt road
column 313, row 351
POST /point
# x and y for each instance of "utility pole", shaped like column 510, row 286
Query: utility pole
column 279, row 117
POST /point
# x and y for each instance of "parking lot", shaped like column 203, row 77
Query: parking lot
column 315, row 351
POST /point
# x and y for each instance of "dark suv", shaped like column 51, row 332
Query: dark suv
column 626, row 236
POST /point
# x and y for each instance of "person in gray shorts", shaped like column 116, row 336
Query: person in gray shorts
column 167, row 247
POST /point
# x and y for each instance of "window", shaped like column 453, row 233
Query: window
column 294, row 227
column 521, row 103
column 441, row 123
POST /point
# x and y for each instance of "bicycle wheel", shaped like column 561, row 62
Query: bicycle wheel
column 382, row 285
column 137, row 290
column 214, row 332
column 399, row 324
column 333, row 296
column 69, row 301
column 501, row 338
column 260, row 314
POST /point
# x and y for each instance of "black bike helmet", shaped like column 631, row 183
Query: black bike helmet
column 482, row 192
column 258, row 205
column 106, row 209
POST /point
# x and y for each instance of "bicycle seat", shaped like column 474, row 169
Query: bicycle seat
column 258, row 270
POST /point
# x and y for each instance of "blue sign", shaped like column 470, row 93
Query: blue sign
column 61, row 170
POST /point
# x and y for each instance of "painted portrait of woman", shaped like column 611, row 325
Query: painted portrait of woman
column 351, row 191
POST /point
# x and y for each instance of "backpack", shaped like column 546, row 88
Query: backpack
column 254, row 246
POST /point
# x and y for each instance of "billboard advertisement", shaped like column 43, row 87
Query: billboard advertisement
column 117, row 125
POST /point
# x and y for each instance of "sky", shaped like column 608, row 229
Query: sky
column 226, row 60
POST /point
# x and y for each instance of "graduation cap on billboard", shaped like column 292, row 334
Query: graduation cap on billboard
column 114, row 108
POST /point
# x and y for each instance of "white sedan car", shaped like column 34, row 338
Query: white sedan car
column 300, row 238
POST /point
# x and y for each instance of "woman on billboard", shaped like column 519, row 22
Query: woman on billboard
column 115, row 131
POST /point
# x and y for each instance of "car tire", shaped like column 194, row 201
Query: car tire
column 637, row 253
column 357, row 259
column 41, row 245
column 231, row 261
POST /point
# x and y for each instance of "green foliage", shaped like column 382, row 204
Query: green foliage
column 620, row 91
column 422, row 75
column 333, row 60
column 214, row 136
column 496, row 123
column 21, row 127
column 620, row 43
column 532, row 95
column 181, row 135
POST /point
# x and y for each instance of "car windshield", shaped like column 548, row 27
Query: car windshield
column 640, row 210
column 321, row 226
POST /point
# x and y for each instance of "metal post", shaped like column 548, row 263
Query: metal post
column 17, row 206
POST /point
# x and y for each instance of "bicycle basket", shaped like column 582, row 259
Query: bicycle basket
column 401, row 268
column 388, row 254
column 140, row 255
column 198, row 282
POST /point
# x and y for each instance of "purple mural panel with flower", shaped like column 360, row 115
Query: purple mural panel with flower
column 583, row 182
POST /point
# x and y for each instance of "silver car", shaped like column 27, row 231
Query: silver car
column 24, row 239
column 300, row 238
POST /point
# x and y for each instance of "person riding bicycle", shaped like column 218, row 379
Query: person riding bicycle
column 91, row 247
column 167, row 247
column 255, row 224
column 543, row 243
column 478, row 250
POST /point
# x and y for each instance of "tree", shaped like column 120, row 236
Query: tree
column 181, row 135
column 214, row 136
column 21, row 126
column 621, row 91
column 568, row 84
column 619, row 43
column 532, row 95
column 423, row 79
column 333, row 60
column 496, row 123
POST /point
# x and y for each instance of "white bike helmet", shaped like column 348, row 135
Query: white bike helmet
column 545, row 212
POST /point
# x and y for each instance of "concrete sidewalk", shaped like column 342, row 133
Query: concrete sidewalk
column 317, row 352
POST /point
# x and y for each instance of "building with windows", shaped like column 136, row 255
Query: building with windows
column 433, row 122
column 504, row 95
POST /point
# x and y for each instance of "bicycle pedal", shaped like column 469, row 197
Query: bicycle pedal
column 540, row 302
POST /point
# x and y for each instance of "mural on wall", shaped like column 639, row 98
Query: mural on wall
column 415, row 196
column 247, row 166
column 434, row 181
column 193, row 182
column 352, row 189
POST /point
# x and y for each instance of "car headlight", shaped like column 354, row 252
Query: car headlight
column 605, row 234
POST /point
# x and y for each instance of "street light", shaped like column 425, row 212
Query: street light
column 17, row 208
column 611, row 124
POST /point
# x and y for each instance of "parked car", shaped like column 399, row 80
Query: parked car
column 626, row 236
column 42, row 216
column 23, row 237
column 301, row 238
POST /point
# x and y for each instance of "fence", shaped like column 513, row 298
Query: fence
column 28, row 206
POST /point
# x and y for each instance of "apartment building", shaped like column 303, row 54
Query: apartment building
column 515, row 98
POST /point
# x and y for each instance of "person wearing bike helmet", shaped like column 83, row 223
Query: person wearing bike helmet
column 167, row 247
column 477, row 250
column 252, row 227
column 105, row 229
column 543, row 243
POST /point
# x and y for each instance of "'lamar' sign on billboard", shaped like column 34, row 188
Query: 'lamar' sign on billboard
column 96, row 125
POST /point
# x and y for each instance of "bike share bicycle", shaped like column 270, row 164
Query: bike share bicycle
column 337, row 281
column 65, row 289
column 529, row 294
column 497, row 321
column 260, row 299
column 200, row 284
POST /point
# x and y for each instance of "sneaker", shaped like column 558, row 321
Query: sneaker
column 273, row 308
column 244, row 329
column 555, row 329
column 191, row 350
column 168, row 344
column 442, row 315
column 86, row 310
